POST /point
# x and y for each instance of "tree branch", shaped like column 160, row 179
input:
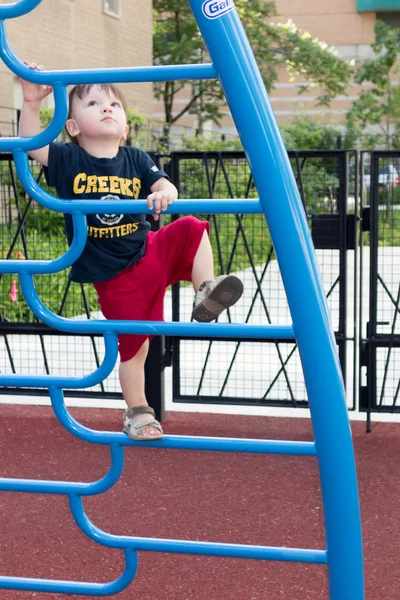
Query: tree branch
column 191, row 102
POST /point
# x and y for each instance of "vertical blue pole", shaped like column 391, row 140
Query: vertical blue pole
column 233, row 59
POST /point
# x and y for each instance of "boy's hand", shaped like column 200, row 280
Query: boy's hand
column 34, row 92
column 160, row 200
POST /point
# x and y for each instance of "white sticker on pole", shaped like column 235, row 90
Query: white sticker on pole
column 213, row 9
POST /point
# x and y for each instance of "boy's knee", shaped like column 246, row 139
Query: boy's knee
column 190, row 221
column 193, row 223
column 129, row 351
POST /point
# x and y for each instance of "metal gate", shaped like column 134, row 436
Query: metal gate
column 380, row 275
column 264, row 373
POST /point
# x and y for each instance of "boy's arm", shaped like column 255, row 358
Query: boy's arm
column 163, row 193
column 29, row 123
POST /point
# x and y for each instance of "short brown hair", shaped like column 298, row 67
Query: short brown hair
column 82, row 90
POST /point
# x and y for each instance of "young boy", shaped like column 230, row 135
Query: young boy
column 129, row 266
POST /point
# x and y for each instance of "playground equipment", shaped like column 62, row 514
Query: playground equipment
column 233, row 63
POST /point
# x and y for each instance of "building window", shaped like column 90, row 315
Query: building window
column 390, row 18
column 112, row 7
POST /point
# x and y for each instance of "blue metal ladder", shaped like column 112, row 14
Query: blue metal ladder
column 233, row 63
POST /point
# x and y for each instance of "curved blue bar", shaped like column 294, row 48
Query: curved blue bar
column 76, row 587
column 223, row 330
column 205, row 206
column 39, row 267
column 94, row 378
column 253, row 115
column 44, row 138
column 177, row 442
column 17, row 9
column 121, row 75
column 188, row 547
column 66, row 487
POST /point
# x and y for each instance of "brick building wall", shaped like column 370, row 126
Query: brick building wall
column 78, row 34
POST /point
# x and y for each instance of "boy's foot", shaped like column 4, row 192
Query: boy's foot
column 141, row 426
column 215, row 296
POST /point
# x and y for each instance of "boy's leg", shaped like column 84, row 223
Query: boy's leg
column 131, row 377
column 186, row 255
column 213, row 296
column 122, row 298
column 203, row 263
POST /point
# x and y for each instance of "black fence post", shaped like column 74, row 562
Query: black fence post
column 155, row 364
column 154, row 377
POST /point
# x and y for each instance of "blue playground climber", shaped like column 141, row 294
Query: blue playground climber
column 130, row 266
column 233, row 63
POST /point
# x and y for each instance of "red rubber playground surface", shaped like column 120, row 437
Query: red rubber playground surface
column 208, row 496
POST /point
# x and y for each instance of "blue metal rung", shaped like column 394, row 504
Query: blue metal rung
column 189, row 547
column 76, row 587
column 203, row 206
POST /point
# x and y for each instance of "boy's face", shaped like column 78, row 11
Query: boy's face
column 99, row 114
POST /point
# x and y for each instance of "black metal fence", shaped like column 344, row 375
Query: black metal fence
column 234, row 372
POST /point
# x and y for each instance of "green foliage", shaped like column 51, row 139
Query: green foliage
column 51, row 288
column 319, row 184
column 42, row 220
column 308, row 134
column 210, row 144
column 46, row 115
column 388, row 229
column 309, row 58
column 138, row 134
column 135, row 119
column 228, row 234
column 195, row 182
column 177, row 40
column 379, row 102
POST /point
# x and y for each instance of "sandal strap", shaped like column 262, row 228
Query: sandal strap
column 139, row 426
column 131, row 413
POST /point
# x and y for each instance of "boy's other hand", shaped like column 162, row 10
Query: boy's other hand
column 160, row 201
column 34, row 92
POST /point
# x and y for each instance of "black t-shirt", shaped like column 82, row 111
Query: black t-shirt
column 114, row 241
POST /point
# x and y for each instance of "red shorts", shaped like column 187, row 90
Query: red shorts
column 137, row 293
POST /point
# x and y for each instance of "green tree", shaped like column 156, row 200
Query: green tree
column 308, row 134
column 177, row 40
column 305, row 133
column 200, row 143
column 379, row 103
column 136, row 123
